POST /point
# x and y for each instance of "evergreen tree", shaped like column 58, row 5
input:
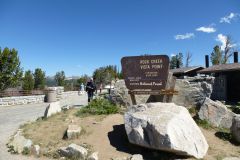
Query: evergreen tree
column 60, row 78
column 10, row 70
column 216, row 55
column 176, row 59
column 28, row 81
column 39, row 77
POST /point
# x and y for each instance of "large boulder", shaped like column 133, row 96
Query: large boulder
column 235, row 129
column 52, row 108
column 119, row 95
column 216, row 113
column 19, row 143
column 166, row 127
column 192, row 91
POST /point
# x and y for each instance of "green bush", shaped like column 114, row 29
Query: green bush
column 203, row 123
column 99, row 106
column 26, row 151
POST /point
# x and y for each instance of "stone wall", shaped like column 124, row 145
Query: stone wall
column 10, row 101
column 69, row 93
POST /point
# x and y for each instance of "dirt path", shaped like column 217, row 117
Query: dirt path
column 12, row 117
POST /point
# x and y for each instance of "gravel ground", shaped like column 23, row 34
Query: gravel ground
column 12, row 117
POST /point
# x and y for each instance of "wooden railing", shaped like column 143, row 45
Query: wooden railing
column 21, row 93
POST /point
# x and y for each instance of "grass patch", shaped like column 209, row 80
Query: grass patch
column 203, row 123
column 98, row 106
column 192, row 110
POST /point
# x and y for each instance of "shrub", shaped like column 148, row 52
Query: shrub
column 203, row 123
column 99, row 106
column 26, row 151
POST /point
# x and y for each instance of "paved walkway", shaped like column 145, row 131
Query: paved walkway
column 12, row 117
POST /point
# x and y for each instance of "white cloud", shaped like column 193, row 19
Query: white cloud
column 184, row 36
column 222, row 39
column 172, row 55
column 229, row 18
column 206, row 29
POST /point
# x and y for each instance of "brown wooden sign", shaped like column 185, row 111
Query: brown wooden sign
column 145, row 72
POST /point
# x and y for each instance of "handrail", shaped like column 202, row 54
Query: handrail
column 21, row 93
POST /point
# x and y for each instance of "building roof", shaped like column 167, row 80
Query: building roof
column 221, row 68
column 185, row 69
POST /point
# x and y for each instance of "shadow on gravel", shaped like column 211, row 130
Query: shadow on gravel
column 226, row 137
column 119, row 140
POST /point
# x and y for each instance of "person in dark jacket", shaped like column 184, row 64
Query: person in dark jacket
column 90, row 88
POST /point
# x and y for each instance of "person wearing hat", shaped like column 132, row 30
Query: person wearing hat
column 90, row 89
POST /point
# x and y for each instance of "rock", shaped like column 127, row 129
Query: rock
column 73, row 131
column 19, row 142
column 235, row 129
column 137, row 157
column 93, row 156
column 73, row 151
column 192, row 91
column 166, row 127
column 216, row 113
column 119, row 95
column 52, row 108
column 36, row 150
column 65, row 107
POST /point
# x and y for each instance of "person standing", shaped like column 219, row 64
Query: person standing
column 90, row 88
column 100, row 88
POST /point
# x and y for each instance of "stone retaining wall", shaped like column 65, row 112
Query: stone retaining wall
column 69, row 93
column 21, row 100
column 11, row 101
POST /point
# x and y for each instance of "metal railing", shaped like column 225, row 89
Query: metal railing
column 21, row 93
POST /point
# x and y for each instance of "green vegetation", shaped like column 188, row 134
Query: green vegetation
column 60, row 78
column 98, row 107
column 192, row 110
column 216, row 55
column 219, row 56
column 28, row 81
column 26, row 151
column 106, row 74
column 203, row 123
column 224, row 134
column 176, row 59
column 11, row 72
column 40, row 79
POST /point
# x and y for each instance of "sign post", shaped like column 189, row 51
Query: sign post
column 148, row 75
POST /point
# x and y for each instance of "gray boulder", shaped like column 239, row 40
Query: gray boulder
column 19, row 143
column 119, row 95
column 73, row 151
column 192, row 91
column 52, row 109
column 216, row 113
column 166, row 127
column 235, row 129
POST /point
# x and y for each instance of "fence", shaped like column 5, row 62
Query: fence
column 22, row 93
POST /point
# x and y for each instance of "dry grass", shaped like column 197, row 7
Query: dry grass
column 49, row 133
column 106, row 135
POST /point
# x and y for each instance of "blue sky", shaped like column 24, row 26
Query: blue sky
column 78, row 36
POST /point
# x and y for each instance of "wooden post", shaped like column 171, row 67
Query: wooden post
column 133, row 98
